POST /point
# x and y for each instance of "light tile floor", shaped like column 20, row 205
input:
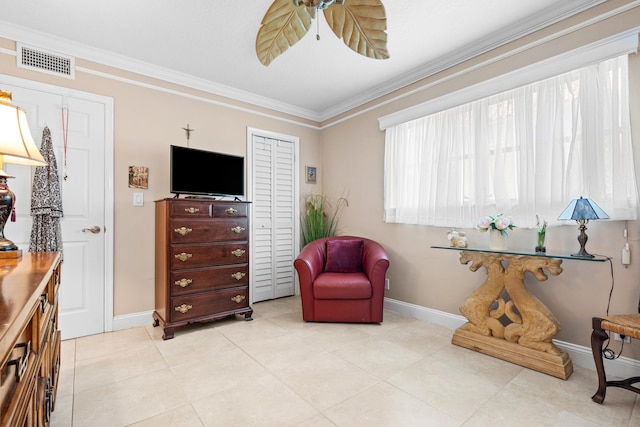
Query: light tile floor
column 280, row 371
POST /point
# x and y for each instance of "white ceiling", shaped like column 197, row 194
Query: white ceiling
column 210, row 44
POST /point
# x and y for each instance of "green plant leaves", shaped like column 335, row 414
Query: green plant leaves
column 319, row 218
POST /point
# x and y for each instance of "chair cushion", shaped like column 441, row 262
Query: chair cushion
column 344, row 256
column 342, row 286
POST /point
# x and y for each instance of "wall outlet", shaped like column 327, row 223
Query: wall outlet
column 617, row 337
column 386, row 283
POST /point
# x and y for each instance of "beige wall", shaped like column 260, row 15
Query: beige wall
column 349, row 158
column 147, row 120
column 353, row 156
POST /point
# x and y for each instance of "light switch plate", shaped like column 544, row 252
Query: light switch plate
column 138, row 199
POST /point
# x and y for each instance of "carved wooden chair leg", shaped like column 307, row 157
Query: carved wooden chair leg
column 598, row 337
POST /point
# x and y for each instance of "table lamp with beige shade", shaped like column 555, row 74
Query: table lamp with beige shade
column 16, row 146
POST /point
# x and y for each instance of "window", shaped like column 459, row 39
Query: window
column 522, row 152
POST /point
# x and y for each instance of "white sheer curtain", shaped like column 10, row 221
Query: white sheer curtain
column 523, row 152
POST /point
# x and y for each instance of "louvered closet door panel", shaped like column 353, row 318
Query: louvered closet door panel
column 273, row 219
column 284, row 226
column 263, row 194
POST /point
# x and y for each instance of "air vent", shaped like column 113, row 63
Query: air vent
column 37, row 59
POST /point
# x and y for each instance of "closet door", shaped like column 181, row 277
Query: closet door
column 275, row 216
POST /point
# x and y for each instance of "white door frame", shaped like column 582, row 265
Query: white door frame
column 108, row 178
column 296, row 188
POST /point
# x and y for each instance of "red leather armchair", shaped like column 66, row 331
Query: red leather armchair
column 330, row 296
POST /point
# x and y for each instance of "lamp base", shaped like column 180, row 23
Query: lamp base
column 7, row 200
column 582, row 239
column 7, row 245
column 583, row 254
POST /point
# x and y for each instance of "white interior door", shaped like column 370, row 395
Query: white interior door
column 83, row 307
column 275, row 229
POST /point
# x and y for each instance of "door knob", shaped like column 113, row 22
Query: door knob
column 95, row 229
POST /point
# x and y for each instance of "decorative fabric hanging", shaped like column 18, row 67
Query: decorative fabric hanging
column 46, row 202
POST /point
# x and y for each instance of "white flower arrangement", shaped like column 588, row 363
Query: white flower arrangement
column 498, row 222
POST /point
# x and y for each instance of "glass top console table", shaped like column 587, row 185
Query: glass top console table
column 503, row 319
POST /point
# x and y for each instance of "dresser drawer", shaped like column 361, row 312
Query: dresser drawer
column 199, row 305
column 185, row 208
column 227, row 210
column 209, row 254
column 220, row 230
column 17, row 371
column 189, row 281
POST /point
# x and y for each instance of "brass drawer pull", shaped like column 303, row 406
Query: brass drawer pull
column 231, row 211
column 183, row 308
column 44, row 299
column 238, row 252
column 183, row 256
column 183, row 283
column 21, row 362
column 238, row 298
column 239, row 275
column 192, row 210
column 183, row 231
column 237, row 229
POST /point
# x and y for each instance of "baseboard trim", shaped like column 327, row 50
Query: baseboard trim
column 623, row 367
column 132, row 320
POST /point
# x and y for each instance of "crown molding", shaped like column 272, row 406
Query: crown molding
column 515, row 31
column 125, row 63
column 519, row 29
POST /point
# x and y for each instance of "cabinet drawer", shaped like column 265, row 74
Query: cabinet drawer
column 18, row 369
column 55, row 366
column 210, row 254
column 227, row 210
column 189, row 281
column 186, row 208
column 196, row 231
column 202, row 305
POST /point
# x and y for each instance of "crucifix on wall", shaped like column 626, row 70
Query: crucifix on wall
column 188, row 132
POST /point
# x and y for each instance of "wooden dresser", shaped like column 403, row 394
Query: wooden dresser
column 202, row 261
column 29, row 338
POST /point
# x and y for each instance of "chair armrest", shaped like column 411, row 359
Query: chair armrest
column 310, row 262
column 375, row 262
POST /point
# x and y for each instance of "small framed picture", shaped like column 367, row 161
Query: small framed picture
column 311, row 174
column 138, row 177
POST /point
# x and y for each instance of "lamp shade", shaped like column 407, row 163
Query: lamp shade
column 16, row 143
column 583, row 209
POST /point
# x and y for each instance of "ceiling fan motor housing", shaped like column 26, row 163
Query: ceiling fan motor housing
column 317, row 4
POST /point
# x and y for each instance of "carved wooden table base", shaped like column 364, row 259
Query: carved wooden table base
column 505, row 320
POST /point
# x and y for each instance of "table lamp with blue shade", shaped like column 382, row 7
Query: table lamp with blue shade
column 582, row 211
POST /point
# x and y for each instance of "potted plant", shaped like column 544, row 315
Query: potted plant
column 542, row 232
column 320, row 218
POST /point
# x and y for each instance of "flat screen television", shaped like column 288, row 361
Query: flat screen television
column 205, row 173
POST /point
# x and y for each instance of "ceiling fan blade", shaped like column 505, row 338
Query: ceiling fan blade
column 283, row 25
column 362, row 25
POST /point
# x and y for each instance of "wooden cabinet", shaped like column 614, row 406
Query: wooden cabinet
column 202, row 262
column 29, row 338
